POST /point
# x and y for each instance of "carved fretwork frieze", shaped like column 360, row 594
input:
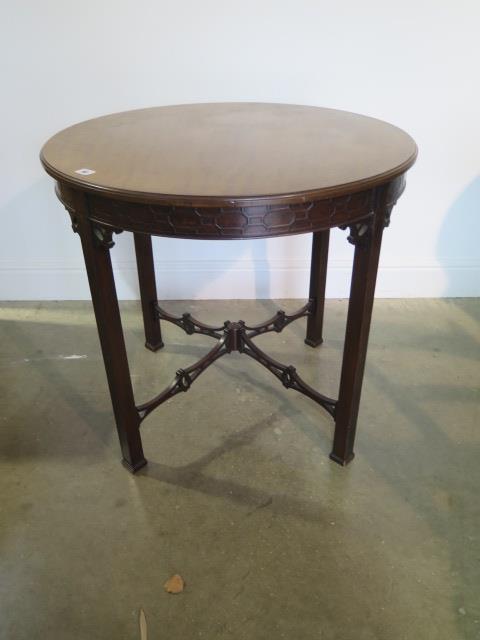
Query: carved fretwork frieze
column 237, row 221
column 240, row 221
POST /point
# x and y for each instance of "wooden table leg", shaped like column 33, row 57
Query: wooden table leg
column 148, row 290
column 96, row 244
column 318, row 279
column 367, row 238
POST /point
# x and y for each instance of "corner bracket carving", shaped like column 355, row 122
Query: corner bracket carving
column 360, row 232
column 73, row 218
column 103, row 236
column 394, row 191
column 388, row 213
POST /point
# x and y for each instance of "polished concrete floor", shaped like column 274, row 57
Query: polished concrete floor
column 239, row 496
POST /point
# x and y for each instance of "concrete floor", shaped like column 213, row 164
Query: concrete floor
column 239, row 496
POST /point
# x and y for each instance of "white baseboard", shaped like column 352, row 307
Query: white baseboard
column 220, row 279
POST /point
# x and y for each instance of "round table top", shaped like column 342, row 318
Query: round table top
column 223, row 153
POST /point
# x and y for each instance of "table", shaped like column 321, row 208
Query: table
column 232, row 170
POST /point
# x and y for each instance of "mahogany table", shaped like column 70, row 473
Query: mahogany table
column 234, row 170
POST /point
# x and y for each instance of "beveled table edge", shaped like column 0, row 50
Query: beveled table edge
column 298, row 197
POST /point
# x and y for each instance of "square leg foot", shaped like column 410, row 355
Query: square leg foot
column 154, row 347
column 342, row 461
column 313, row 343
column 134, row 468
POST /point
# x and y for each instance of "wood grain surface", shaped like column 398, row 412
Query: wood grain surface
column 229, row 153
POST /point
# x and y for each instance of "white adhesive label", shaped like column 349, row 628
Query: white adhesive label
column 85, row 172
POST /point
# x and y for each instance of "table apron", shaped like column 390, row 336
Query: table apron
column 236, row 222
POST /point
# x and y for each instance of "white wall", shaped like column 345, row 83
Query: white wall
column 413, row 63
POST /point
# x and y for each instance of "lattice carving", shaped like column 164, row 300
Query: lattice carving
column 235, row 222
column 235, row 336
column 188, row 323
column 184, row 378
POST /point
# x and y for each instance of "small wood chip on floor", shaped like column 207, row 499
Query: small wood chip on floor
column 175, row 584
column 143, row 625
